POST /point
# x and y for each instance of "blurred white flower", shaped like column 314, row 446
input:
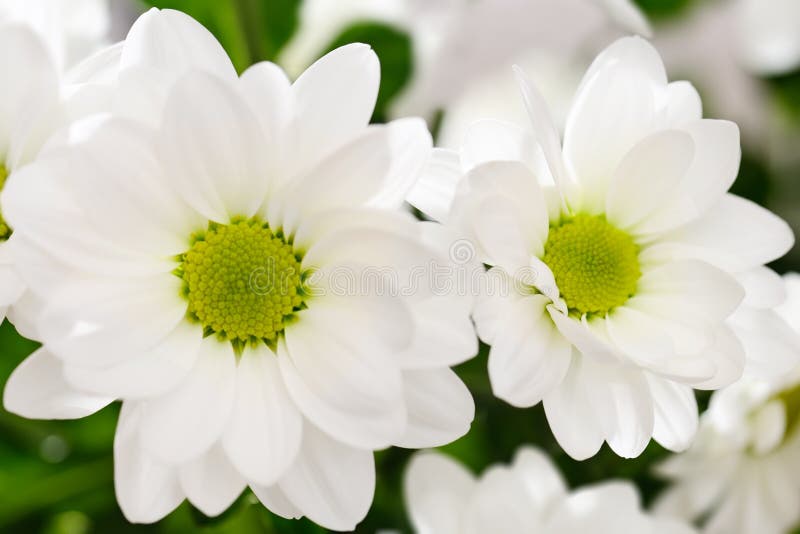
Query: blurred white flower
column 72, row 29
column 463, row 50
column 723, row 46
column 741, row 475
column 177, row 258
column 528, row 496
column 622, row 250
column 35, row 105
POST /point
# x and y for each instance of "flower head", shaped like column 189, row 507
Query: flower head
column 216, row 253
column 616, row 256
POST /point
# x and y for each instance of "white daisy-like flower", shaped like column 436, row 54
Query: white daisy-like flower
column 188, row 267
column 35, row 104
column 610, row 288
column 741, row 474
column 71, row 30
column 530, row 495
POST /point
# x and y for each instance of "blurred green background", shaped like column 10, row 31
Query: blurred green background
column 57, row 477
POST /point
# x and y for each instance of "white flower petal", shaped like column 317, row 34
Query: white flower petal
column 736, row 235
column 676, row 416
column 11, row 285
column 331, row 483
column 334, row 100
column 582, row 337
column 544, row 483
column 210, row 482
column 529, row 357
column 150, row 373
column 83, row 319
column 37, row 389
column 492, row 140
column 712, row 172
column 500, row 504
column 684, row 104
column 440, row 408
column 215, row 160
column 342, row 378
column 437, row 490
column 771, row 346
column 571, row 415
column 648, row 173
column 347, row 178
column 436, row 187
column 29, row 75
column 276, row 501
column 147, row 489
column 728, row 356
column 763, row 287
column 184, row 423
column 265, row 429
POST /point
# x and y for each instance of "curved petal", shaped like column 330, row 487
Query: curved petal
column 440, row 408
column 676, row 415
column 210, row 482
column 571, row 416
column 265, row 429
column 529, row 357
column 437, row 490
column 148, row 374
column 184, row 423
column 214, row 160
column 736, row 235
column 147, row 489
column 492, row 140
column 544, row 483
column 334, row 101
column 330, row 483
column 342, row 379
column 499, row 503
column 436, row 187
column 37, row 389
column 649, row 172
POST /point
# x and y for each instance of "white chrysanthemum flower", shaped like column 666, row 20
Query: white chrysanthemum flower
column 741, row 474
column 72, row 30
column 528, row 496
column 609, row 291
column 220, row 270
column 35, row 103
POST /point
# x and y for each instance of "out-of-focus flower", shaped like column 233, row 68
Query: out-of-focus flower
column 463, row 50
column 35, row 104
column 741, row 474
column 722, row 46
column 529, row 496
column 609, row 288
column 224, row 265
column 72, row 30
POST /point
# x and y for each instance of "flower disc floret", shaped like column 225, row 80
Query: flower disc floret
column 243, row 282
column 595, row 265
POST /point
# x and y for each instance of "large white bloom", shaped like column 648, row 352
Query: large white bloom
column 178, row 256
column 528, row 496
column 72, row 30
column 741, row 474
column 610, row 287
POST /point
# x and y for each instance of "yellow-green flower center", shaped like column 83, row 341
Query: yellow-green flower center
column 596, row 265
column 243, row 282
column 5, row 230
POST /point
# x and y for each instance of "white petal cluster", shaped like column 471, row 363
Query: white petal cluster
column 530, row 495
column 741, row 474
column 636, row 153
column 100, row 218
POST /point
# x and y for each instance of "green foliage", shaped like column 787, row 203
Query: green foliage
column 656, row 9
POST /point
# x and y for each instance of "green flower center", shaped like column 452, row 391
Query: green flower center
column 596, row 265
column 5, row 230
column 243, row 282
